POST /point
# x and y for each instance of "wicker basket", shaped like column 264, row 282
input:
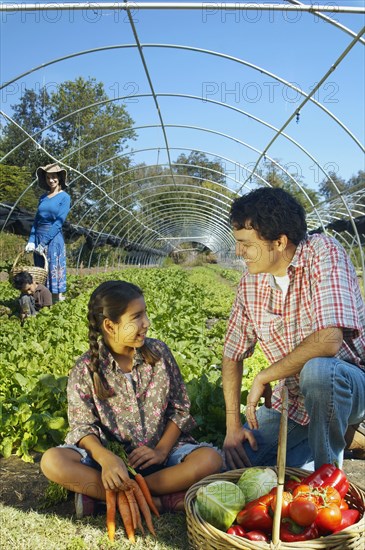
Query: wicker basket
column 204, row 536
column 39, row 274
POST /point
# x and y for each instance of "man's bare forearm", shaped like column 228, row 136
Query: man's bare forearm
column 232, row 381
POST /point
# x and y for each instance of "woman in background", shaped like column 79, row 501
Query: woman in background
column 46, row 234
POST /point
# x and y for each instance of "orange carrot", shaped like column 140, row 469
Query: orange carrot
column 146, row 493
column 126, row 515
column 144, row 508
column 132, row 498
column 111, row 505
column 133, row 506
column 139, row 520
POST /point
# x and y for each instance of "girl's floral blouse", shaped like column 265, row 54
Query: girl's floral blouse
column 140, row 407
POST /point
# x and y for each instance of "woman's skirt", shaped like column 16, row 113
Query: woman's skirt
column 56, row 256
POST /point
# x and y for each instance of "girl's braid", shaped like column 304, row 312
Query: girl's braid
column 94, row 331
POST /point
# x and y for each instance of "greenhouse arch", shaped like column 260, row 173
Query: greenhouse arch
column 144, row 199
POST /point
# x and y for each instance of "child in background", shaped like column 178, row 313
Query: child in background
column 129, row 388
column 33, row 295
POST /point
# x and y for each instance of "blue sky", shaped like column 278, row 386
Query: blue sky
column 297, row 47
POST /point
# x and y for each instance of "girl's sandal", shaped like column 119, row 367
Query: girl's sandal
column 170, row 502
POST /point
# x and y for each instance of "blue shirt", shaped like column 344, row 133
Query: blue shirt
column 51, row 211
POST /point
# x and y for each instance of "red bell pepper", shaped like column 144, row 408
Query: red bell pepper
column 264, row 500
column 349, row 517
column 256, row 517
column 236, row 530
column 291, row 532
column 320, row 475
column 257, row 535
column 292, row 482
column 339, row 481
column 329, row 474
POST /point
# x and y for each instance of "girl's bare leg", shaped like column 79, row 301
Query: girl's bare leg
column 63, row 466
column 200, row 463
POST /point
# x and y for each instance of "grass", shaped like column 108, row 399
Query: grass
column 34, row 531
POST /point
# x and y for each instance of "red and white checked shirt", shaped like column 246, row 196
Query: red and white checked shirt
column 323, row 292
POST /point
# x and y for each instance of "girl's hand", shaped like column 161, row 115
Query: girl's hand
column 144, row 456
column 114, row 473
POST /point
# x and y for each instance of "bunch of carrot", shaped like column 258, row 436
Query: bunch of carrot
column 130, row 503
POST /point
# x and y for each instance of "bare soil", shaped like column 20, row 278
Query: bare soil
column 23, row 485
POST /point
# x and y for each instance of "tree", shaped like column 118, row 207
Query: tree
column 278, row 178
column 357, row 181
column 13, row 182
column 84, row 123
column 198, row 165
column 328, row 190
column 32, row 114
column 85, row 131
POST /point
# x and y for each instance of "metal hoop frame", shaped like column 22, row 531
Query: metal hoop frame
column 212, row 214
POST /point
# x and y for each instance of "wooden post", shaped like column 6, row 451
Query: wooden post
column 281, row 462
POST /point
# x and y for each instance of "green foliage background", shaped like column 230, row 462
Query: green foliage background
column 188, row 310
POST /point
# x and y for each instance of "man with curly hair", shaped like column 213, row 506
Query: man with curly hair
column 300, row 300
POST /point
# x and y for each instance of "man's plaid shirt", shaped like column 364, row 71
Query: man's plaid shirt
column 323, row 292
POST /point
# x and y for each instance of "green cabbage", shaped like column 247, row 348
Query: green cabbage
column 255, row 482
column 219, row 503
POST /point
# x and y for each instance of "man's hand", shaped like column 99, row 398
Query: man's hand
column 143, row 457
column 234, row 450
column 258, row 390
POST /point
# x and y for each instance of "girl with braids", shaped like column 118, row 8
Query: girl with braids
column 127, row 388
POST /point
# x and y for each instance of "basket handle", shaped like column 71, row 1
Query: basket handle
column 45, row 260
column 281, row 461
column 22, row 254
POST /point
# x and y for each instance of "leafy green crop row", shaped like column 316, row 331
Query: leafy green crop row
column 188, row 310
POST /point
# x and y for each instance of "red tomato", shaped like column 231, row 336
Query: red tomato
column 328, row 495
column 236, row 530
column 328, row 519
column 307, row 492
column 290, row 485
column 343, row 505
column 302, row 489
column 303, row 511
column 287, row 499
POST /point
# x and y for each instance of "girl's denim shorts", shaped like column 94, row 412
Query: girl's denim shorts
column 174, row 458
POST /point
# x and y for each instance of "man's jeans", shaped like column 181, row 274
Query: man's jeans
column 334, row 393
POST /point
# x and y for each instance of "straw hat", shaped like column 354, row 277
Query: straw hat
column 51, row 169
